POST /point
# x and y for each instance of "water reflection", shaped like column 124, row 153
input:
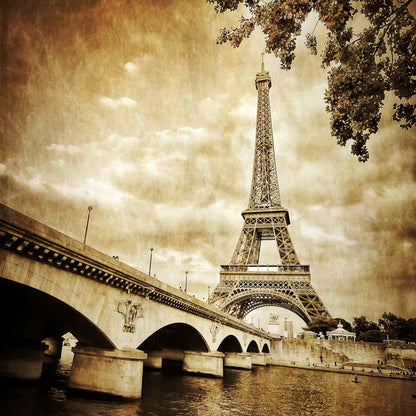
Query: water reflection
column 265, row 391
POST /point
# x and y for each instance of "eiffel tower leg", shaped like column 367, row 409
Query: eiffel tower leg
column 236, row 310
column 284, row 245
column 247, row 250
column 314, row 306
column 255, row 252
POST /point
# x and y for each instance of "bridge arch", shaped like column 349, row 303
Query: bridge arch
column 28, row 314
column 230, row 344
column 265, row 349
column 253, row 346
column 175, row 336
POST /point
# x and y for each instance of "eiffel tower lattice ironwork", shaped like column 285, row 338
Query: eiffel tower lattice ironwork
column 245, row 285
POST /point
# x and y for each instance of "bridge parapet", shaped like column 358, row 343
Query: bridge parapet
column 29, row 238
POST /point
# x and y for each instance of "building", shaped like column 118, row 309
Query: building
column 288, row 329
column 340, row 334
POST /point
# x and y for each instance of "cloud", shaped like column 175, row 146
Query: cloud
column 130, row 68
column 3, row 169
column 119, row 102
column 311, row 232
column 61, row 148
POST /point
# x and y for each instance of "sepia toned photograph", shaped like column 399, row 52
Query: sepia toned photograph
column 208, row 207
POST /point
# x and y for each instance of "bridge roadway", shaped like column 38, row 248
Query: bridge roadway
column 123, row 319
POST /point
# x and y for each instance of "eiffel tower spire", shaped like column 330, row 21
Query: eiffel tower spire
column 265, row 187
column 245, row 285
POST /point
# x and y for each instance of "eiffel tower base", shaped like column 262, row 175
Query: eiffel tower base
column 243, row 289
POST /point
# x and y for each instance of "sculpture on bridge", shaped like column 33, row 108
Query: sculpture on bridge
column 131, row 312
column 214, row 331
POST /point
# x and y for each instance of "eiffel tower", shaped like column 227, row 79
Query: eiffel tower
column 245, row 285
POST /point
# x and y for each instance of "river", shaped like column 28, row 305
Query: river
column 264, row 391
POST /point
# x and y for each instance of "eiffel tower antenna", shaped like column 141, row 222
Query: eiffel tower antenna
column 246, row 285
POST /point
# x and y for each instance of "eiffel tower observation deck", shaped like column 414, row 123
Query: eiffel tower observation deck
column 246, row 285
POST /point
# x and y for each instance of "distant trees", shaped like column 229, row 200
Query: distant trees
column 362, row 325
column 388, row 326
column 326, row 324
column 397, row 327
column 321, row 325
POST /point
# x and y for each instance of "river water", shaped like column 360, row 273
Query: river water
column 264, row 391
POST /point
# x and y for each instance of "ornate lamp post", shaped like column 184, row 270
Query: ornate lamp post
column 88, row 221
column 186, row 281
column 150, row 262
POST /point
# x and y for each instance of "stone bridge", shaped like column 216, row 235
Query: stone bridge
column 123, row 319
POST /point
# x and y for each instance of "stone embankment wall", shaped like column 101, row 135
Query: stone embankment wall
column 401, row 355
column 310, row 351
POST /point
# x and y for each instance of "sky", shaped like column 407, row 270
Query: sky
column 131, row 107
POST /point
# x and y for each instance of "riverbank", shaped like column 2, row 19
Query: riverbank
column 354, row 369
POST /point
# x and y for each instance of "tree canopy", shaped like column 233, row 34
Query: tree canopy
column 369, row 49
column 324, row 325
column 389, row 326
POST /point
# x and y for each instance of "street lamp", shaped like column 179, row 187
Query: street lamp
column 209, row 294
column 88, row 221
column 186, row 281
column 150, row 263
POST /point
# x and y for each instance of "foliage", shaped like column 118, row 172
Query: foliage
column 361, row 325
column 374, row 335
column 326, row 324
column 370, row 49
column 411, row 330
column 321, row 325
column 397, row 327
column 389, row 326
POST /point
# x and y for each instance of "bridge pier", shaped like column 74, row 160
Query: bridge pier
column 207, row 363
column 154, row 360
column 172, row 354
column 258, row 358
column 238, row 360
column 115, row 372
column 54, row 346
column 22, row 362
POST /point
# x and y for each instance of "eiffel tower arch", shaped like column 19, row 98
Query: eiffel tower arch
column 246, row 285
